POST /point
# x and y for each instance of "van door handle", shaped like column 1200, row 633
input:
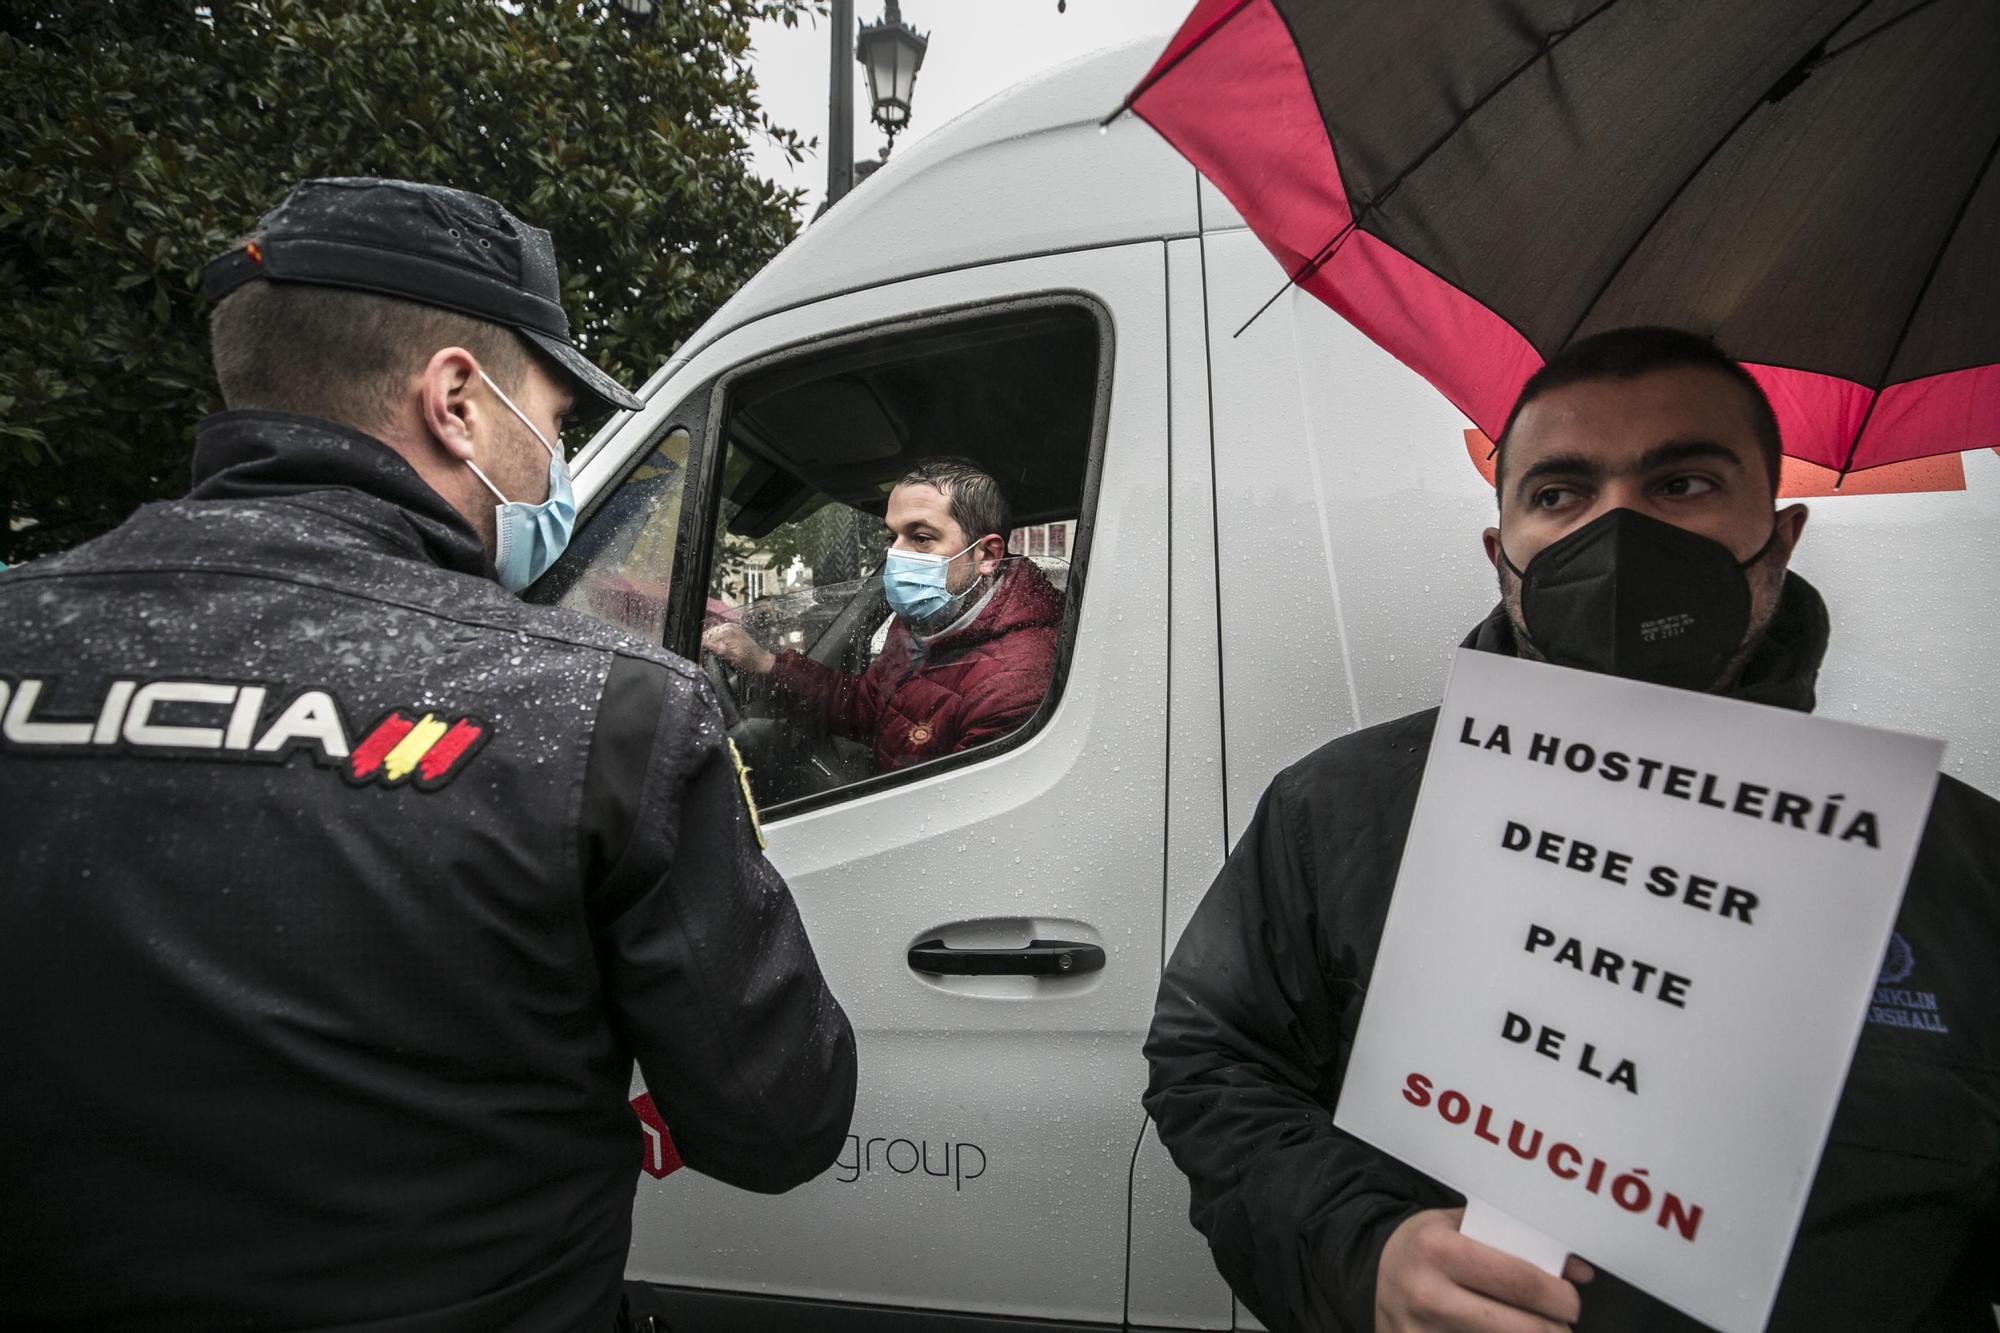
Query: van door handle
column 1042, row 958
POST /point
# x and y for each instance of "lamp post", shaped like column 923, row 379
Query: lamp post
column 892, row 52
column 840, row 106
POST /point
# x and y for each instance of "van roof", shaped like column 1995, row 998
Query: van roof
column 1028, row 171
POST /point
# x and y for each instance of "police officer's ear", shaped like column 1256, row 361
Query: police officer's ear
column 448, row 401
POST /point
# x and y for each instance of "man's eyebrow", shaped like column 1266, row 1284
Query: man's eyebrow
column 1687, row 451
column 1557, row 465
column 1691, row 449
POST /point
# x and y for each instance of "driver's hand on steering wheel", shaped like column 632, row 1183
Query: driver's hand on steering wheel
column 733, row 644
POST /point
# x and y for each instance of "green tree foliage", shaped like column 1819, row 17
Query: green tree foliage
column 139, row 138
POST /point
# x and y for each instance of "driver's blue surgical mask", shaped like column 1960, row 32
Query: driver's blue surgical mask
column 915, row 584
column 529, row 538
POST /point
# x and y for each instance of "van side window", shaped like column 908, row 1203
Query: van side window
column 890, row 579
column 620, row 568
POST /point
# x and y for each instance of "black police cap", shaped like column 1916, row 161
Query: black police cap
column 447, row 248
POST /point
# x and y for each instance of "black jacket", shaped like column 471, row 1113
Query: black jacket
column 1259, row 1006
column 341, row 889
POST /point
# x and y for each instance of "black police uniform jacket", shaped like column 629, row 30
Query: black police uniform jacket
column 1260, row 1002
column 341, row 890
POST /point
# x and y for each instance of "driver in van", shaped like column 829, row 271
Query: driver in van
column 973, row 647
column 1639, row 461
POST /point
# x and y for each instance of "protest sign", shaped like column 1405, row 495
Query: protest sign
column 1634, row 936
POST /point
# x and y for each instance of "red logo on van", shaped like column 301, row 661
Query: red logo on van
column 660, row 1159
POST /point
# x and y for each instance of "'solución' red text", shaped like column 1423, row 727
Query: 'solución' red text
column 1631, row 1190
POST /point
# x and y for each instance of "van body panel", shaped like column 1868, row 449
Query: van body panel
column 1171, row 1280
column 1349, row 516
column 1196, row 794
column 1217, row 213
column 1027, row 172
column 1172, row 1283
column 1912, row 583
column 993, row 1134
column 1348, row 519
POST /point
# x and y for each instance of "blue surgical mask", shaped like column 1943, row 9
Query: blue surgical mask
column 529, row 538
column 915, row 584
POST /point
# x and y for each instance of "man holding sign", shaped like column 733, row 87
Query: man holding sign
column 1639, row 537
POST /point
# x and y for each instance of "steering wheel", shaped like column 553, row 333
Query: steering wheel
column 732, row 711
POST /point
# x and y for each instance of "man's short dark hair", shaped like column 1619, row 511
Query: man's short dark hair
column 974, row 500
column 1623, row 354
column 340, row 354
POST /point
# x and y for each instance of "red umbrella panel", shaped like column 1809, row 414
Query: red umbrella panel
column 1810, row 182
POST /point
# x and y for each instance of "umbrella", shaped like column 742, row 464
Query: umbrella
column 1810, row 182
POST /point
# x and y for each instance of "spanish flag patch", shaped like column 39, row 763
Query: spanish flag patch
column 424, row 751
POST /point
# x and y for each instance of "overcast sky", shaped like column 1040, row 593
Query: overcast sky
column 977, row 48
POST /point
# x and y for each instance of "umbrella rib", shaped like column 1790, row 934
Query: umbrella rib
column 1875, row 31
column 1639, row 236
column 1550, row 40
column 1923, row 290
column 1148, row 83
column 1790, row 81
column 1305, row 270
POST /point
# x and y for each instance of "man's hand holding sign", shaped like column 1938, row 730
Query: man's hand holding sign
column 1635, row 928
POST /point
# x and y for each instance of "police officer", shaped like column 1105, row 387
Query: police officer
column 341, row 887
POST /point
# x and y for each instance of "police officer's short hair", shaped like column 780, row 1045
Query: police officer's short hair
column 1623, row 354
column 340, row 354
column 974, row 500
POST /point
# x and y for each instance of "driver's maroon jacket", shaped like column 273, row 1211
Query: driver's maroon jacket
column 917, row 701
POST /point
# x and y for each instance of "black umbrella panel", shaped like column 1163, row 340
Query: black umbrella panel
column 1811, row 182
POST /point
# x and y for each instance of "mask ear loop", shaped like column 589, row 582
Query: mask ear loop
column 944, row 561
column 1763, row 550
column 977, row 578
column 489, row 485
column 980, row 581
column 1520, row 576
column 533, row 429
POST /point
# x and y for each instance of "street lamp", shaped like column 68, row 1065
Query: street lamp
column 892, row 52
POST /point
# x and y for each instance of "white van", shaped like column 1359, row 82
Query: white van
column 1264, row 541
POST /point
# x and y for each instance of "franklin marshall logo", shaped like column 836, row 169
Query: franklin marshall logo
column 1897, row 1007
